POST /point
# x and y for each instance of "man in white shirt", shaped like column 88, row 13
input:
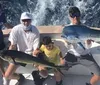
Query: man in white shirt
column 23, row 37
column 77, row 50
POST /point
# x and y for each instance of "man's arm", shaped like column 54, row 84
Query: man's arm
column 35, row 52
column 13, row 40
column 12, row 47
column 36, row 43
column 62, row 61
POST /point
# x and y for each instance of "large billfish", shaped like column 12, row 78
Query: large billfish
column 80, row 33
column 21, row 57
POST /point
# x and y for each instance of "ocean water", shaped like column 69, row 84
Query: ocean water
column 52, row 12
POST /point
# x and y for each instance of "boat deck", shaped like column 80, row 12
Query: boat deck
column 67, row 80
column 71, row 77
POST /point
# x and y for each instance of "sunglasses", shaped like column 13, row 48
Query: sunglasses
column 26, row 20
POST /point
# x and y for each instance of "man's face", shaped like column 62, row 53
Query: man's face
column 26, row 22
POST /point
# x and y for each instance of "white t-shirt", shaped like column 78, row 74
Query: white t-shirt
column 26, row 41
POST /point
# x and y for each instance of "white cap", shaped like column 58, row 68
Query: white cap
column 26, row 15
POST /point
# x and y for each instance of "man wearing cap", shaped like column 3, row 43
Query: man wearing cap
column 23, row 37
column 76, row 50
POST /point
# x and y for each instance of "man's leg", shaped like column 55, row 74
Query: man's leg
column 58, row 77
column 95, row 69
column 94, row 79
column 10, row 74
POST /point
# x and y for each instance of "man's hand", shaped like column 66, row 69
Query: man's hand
column 12, row 47
column 62, row 61
column 89, row 41
column 35, row 52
